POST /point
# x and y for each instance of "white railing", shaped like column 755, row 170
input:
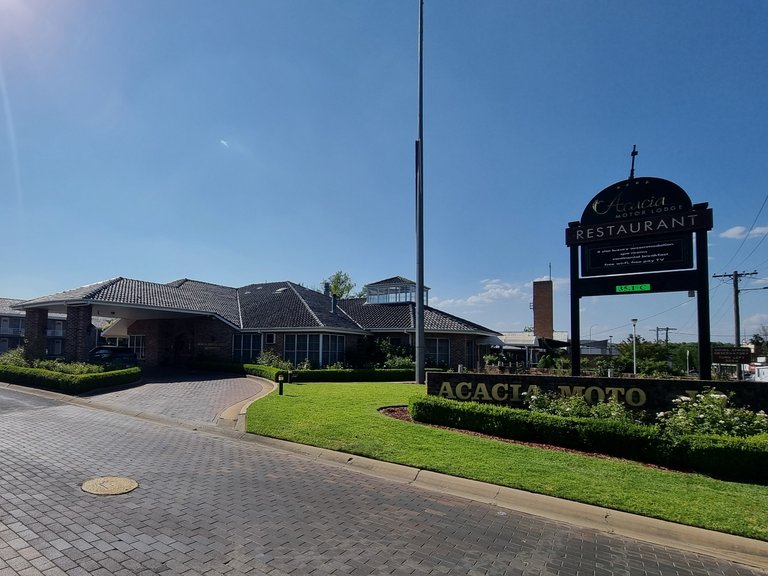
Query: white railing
column 12, row 331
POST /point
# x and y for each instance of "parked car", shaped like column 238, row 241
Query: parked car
column 113, row 355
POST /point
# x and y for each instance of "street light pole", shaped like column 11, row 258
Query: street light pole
column 634, row 345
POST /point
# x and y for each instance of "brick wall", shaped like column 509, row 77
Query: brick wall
column 543, row 322
column 35, row 339
column 458, row 352
column 78, row 333
column 183, row 340
column 212, row 340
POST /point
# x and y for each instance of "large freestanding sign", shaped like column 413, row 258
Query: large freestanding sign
column 637, row 236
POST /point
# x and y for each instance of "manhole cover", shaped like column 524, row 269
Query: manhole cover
column 109, row 485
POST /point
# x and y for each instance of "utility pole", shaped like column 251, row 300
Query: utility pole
column 736, row 315
column 666, row 330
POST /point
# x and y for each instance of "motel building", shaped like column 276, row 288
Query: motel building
column 186, row 320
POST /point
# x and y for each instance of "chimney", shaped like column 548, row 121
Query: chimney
column 543, row 309
column 333, row 304
column 326, row 289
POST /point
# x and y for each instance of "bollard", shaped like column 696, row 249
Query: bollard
column 280, row 384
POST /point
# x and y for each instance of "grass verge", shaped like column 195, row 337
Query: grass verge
column 345, row 417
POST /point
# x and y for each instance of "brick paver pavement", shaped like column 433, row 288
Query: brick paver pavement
column 209, row 504
column 191, row 397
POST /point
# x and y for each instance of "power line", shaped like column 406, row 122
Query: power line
column 736, row 316
column 746, row 234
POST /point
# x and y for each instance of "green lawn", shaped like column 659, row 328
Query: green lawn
column 345, row 417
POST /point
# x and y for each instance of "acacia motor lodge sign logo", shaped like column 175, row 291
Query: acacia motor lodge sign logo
column 637, row 225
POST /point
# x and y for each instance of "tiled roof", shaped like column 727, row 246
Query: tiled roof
column 5, row 307
column 186, row 295
column 288, row 305
column 81, row 293
column 393, row 280
column 379, row 316
column 401, row 316
column 273, row 305
column 6, row 310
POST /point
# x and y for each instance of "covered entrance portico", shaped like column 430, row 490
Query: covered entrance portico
column 159, row 337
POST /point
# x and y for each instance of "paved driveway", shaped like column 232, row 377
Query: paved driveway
column 194, row 397
column 210, row 504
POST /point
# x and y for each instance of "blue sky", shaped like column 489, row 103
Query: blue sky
column 254, row 140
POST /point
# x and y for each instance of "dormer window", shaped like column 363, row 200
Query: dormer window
column 393, row 291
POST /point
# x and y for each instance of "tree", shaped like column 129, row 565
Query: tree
column 652, row 359
column 340, row 284
column 760, row 340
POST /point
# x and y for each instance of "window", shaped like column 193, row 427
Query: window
column 136, row 343
column 246, row 347
column 55, row 328
column 333, row 349
column 13, row 326
column 438, row 352
column 319, row 349
column 269, row 338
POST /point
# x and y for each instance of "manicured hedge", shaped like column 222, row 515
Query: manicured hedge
column 350, row 375
column 67, row 383
column 267, row 372
column 306, row 376
column 741, row 459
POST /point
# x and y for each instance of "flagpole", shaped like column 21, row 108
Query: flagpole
column 420, row 360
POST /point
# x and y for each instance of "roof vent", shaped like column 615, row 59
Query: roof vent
column 281, row 290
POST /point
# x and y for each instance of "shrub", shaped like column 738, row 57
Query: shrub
column 709, row 412
column 69, row 367
column 270, row 358
column 614, row 437
column 304, row 365
column 399, row 362
column 14, row 357
column 740, row 459
column 268, row 372
column 576, row 406
column 350, row 375
column 67, row 383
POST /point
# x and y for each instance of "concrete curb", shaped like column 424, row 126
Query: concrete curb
column 706, row 542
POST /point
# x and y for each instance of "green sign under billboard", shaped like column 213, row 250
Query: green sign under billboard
column 633, row 288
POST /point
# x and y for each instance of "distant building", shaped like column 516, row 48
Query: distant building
column 12, row 329
column 528, row 346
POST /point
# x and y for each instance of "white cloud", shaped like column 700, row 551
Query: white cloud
column 753, row 323
column 493, row 290
column 739, row 232
column 558, row 284
column 735, row 232
column 224, row 143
